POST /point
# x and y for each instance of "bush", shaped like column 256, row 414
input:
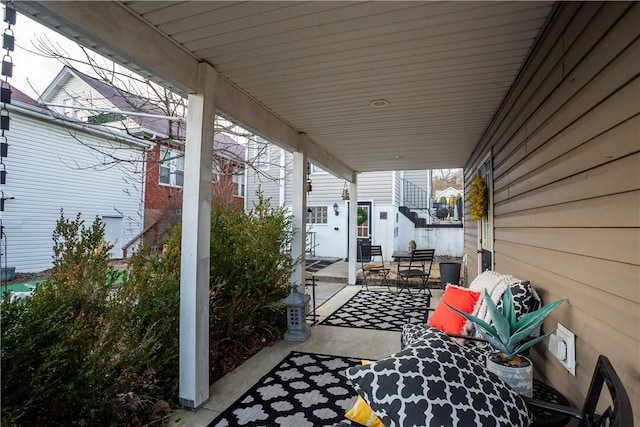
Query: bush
column 250, row 274
column 78, row 351
column 85, row 351
column 442, row 212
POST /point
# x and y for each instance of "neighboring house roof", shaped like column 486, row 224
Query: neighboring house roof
column 124, row 101
column 120, row 99
column 228, row 147
column 27, row 105
column 18, row 96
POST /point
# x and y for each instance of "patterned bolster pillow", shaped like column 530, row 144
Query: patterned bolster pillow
column 436, row 382
column 417, row 334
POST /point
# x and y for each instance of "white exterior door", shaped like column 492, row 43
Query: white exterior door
column 485, row 225
column 113, row 234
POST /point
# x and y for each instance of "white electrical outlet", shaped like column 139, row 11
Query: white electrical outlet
column 562, row 344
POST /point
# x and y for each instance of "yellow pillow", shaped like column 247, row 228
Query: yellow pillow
column 362, row 413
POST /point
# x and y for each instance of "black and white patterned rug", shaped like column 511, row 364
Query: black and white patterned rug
column 304, row 390
column 377, row 310
column 315, row 265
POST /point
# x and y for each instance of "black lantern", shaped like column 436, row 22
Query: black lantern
column 345, row 191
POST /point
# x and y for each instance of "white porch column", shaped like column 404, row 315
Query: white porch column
column 299, row 211
column 196, row 227
column 353, row 229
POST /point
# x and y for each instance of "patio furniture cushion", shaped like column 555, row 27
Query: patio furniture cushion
column 373, row 265
column 434, row 382
column 415, row 334
column 525, row 300
column 448, row 320
column 361, row 413
column 372, row 260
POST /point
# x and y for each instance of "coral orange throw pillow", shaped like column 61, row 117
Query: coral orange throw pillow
column 447, row 320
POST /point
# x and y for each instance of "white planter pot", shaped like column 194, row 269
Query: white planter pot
column 519, row 378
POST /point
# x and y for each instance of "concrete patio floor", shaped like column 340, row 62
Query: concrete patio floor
column 331, row 292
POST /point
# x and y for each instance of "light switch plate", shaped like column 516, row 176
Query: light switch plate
column 562, row 344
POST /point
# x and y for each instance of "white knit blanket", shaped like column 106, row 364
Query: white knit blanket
column 495, row 284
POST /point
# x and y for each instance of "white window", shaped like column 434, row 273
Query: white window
column 171, row 167
column 317, row 215
column 261, row 154
column 238, row 180
column 69, row 110
column 316, row 169
column 215, row 172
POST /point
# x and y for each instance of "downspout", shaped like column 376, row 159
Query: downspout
column 245, row 201
column 429, row 191
column 282, row 180
column 143, row 179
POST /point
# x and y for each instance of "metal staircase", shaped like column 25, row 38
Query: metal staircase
column 414, row 199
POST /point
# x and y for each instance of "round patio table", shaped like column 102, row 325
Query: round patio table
column 543, row 417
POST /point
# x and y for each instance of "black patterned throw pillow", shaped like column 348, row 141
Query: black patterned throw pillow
column 436, row 383
column 415, row 333
column 523, row 298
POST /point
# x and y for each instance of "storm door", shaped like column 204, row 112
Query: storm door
column 363, row 217
column 485, row 225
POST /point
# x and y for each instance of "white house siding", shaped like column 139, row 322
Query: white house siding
column 268, row 180
column 84, row 94
column 378, row 188
column 419, row 178
column 331, row 238
column 374, row 187
column 48, row 170
column 566, row 152
column 397, row 188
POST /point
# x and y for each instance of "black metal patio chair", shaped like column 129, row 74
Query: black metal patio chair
column 618, row 414
column 375, row 265
column 419, row 267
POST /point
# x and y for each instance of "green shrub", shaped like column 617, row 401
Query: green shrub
column 250, row 274
column 52, row 365
column 85, row 351
column 442, row 212
column 80, row 351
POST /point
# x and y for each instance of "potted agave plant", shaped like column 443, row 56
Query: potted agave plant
column 510, row 337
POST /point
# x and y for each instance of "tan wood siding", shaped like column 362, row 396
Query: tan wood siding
column 566, row 156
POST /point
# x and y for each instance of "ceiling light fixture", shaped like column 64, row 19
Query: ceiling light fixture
column 379, row 103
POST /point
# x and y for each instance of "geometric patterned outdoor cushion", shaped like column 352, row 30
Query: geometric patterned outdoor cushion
column 525, row 300
column 413, row 334
column 435, row 383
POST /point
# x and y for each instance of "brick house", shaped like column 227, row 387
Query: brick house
column 163, row 186
column 73, row 94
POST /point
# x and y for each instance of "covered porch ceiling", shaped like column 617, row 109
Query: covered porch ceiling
column 320, row 68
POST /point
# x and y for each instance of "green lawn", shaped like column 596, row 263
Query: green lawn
column 28, row 286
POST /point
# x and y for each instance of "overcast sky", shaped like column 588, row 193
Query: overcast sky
column 33, row 73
